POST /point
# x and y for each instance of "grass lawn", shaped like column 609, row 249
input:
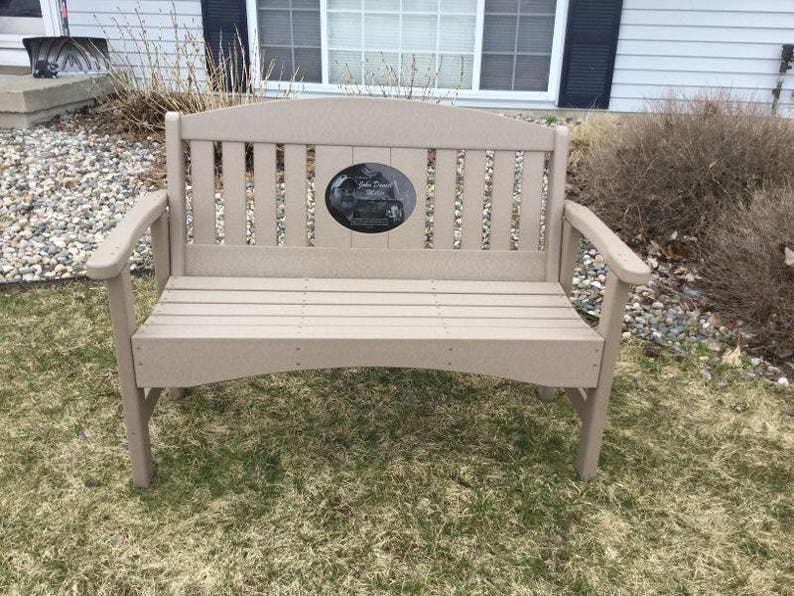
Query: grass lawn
column 381, row 480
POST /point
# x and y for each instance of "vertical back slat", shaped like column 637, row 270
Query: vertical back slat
column 371, row 155
column 531, row 200
column 473, row 199
column 556, row 203
column 175, row 158
column 234, row 199
column 295, row 195
column 329, row 161
column 412, row 163
column 265, row 194
column 444, row 198
column 504, row 164
column 202, row 173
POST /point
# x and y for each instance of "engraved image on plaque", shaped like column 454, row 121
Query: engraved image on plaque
column 370, row 198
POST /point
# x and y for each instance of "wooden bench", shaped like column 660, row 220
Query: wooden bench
column 237, row 308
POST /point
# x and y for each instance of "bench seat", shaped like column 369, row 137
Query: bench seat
column 207, row 329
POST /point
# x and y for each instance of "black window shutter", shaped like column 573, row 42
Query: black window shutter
column 589, row 59
column 225, row 31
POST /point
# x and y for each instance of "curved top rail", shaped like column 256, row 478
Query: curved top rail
column 367, row 121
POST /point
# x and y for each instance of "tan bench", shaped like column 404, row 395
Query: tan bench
column 234, row 309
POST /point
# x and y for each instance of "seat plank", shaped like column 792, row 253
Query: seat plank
column 364, row 285
column 366, row 310
column 389, row 298
column 329, row 321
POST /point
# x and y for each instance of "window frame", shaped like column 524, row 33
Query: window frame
column 473, row 96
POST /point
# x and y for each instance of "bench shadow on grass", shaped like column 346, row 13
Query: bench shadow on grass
column 384, row 437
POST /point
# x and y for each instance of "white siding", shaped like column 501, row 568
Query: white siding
column 691, row 46
column 128, row 24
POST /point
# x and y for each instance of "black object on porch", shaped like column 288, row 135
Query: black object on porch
column 52, row 56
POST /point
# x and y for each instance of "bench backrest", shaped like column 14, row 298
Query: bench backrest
column 339, row 132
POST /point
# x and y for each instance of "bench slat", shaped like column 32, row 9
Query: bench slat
column 364, row 285
column 346, row 321
column 412, row 163
column 267, row 261
column 558, row 168
column 328, row 161
column 444, row 198
column 364, row 332
column 366, row 310
column 295, row 195
column 504, row 164
column 473, row 199
column 401, row 298
column 202, row 173
column 265, row 194
column 531, row 201
column 234, row 195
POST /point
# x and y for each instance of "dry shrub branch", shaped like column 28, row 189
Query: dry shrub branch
column 151, row 78
column 746, row 274
column 680, row 166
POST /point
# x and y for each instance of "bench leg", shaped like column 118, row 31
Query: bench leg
column 594, row 410
column 594, row 418
column 136, row 412
column 547, row 394
column 137, row 423
column 176, row 393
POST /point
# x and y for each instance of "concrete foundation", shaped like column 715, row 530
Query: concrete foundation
column 25, row 101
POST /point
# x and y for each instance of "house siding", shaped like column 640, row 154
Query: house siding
column 125, row 23
column 690, row 47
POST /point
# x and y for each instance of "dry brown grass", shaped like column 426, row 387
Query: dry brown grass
column 745, row 273
column 680, row 166
column 362, row 481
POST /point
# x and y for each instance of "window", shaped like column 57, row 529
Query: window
column 20, row 8
column 477, row 45
column 428, row 42
column 516, row 44
column 289, row 39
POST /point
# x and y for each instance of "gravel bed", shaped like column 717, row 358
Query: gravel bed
column 62, row 190
column 60, row 193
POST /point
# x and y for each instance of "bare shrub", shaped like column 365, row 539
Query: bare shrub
column 148, row 81
column 681, row 165
column 410, row 83
column 746, row 275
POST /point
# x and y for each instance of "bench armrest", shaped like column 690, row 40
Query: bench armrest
column 628, row 267
column 111, row 257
